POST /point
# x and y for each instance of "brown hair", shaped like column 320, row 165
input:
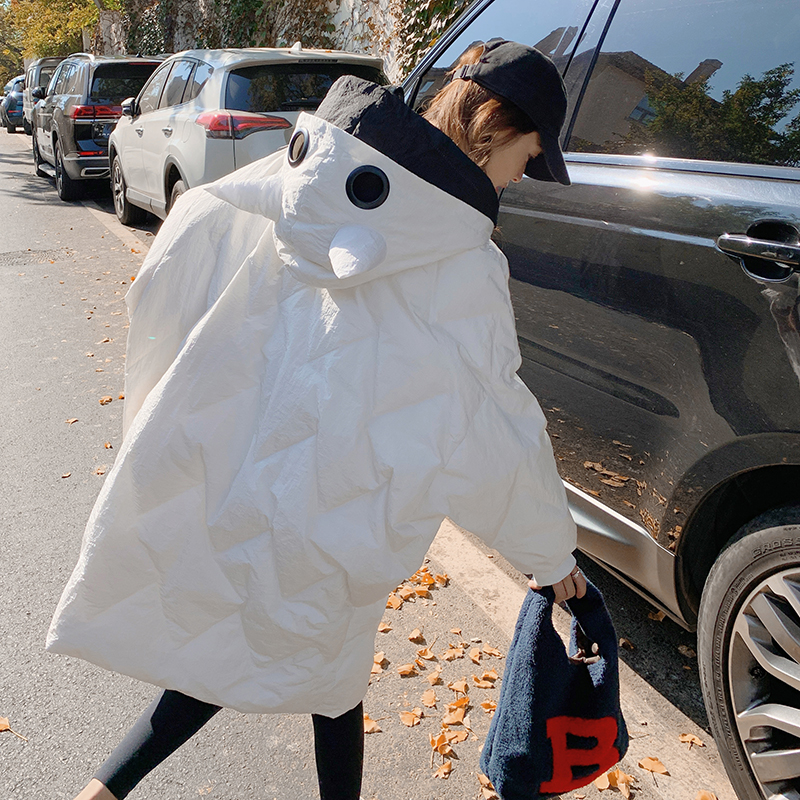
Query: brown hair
column 476, row 119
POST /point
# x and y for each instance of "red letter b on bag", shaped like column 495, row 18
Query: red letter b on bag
column 603, row 754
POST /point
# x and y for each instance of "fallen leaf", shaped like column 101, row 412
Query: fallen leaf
column 407, row 670
column 658, row 616
column 653, row 765
column 620, row 780
column 4, row 726
column 456, row 737
column 462, row 702
column 687, row 651
column 460, row 687
column 66, row 475
column 613, row 482
column 71, row 421
column 394, row 601
column 411, row 718
column 429, row 698
column 444, row 771
column 452, row 653
column 442, row 580
column 454, row 717
column 120, row 397
column 490, row 675
column 690, row 739
column 427, row 654
column 100, row 471
column 422, row 592
column 416, row 636
column 704, row 794
column 482, row 684
column 108, row 446
column 405, row 592
column 104, row 341
column 90, row 355
column 105, row 400
column 626, row 643
column 370, row 726
column 602, row 782
column 492, row 651
column 595, row 465
column 475, row 655
column 456, row 631
column 435, row 677
column 487, row 790
column 488, row 706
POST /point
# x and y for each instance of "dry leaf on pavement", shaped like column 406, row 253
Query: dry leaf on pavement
column 620, row 780
column 429, row 698
column 4, row 726
column 370, row 726
column 475, row 655
column 435, row 676
column 71, row 421
column 454, row 717
column 444, row 771
column 704, row 794
column 653, row 765
column 416, row 636
column 411, row 718
column 492, row 651
column 394, row 601
column 427, row 654
column 384, row 628
column 66, row 475
column 108, row 446
column 452, row 653
column 407, row 670
column 487, row 790
column 489, row 706
column 442, row 580
column 626, row 643
column 105, row 400
column 687, row 651
column 658, row 616
column 691, row 739
column 602, row 782
column 459, row 687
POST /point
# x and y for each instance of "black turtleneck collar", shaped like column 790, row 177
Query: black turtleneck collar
column 379, row 117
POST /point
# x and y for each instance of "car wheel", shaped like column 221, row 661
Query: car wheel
column 127, row 213
column 37, row 157
column 26, row 126
column 749, row 655
column 67, row 188
column 177, row 190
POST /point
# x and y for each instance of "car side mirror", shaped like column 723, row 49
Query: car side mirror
column 39, row 93
column 129, row 107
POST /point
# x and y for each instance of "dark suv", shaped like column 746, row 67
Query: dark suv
column 657, row 311
column 77, row 112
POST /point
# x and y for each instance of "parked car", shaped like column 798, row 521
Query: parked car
column 80, row 106
column 11, row 104
column 38, row 73
column 657, row 311
column 205, row 113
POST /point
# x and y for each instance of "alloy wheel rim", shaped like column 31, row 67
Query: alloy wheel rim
column 764, row 680
column 117, row 188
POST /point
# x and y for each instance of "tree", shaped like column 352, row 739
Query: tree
column 10, row 47
column 742, row 127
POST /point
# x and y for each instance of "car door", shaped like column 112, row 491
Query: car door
column 44, row 112
column 651, row 350
column 138, row 134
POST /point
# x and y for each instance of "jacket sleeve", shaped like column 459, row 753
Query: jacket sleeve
column 500, row 481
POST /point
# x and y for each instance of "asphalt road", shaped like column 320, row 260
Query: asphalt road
column 64, row 270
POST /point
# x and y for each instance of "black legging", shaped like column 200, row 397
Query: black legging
column 173, row 718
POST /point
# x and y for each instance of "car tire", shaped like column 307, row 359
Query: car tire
column 26, row 126
column 748, row 640
column 11, row 128
column 127, row 213
column 178, row 189
column 37, row 157
column 67, row 188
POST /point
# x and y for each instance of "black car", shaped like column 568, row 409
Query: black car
column 77, row 112
column 657, row 310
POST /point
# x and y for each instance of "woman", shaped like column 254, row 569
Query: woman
column 321, row 367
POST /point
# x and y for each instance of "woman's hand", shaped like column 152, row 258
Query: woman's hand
column 574, row 585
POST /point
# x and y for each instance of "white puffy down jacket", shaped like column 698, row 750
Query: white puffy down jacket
column 311, row 387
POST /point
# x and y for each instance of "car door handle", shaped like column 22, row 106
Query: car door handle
column 167, row 131
column 739, row 245
column 140, row 131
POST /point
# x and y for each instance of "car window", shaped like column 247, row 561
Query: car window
column 553, row 29
column 73, row 82
column 662, row 86
column 62, row 78
column 113, row 83
column 178, row 78
column 198, row 80
column 289, row 87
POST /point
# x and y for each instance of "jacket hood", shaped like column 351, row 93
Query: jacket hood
column 350, row 205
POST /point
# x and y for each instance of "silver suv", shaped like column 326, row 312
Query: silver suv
column 205, row 113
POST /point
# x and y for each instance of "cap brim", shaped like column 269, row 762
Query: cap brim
column 549, row 164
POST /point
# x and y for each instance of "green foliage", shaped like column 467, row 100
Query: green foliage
column 10, row 47
column 420, row 24
column 53, row 27
column 741, row 127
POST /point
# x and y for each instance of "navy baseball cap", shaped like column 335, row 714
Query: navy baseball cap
column 531, row 81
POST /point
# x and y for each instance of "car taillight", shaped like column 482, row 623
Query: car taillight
column 90, row 112
column 237, row 125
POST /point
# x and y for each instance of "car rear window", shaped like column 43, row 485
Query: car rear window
column 113, row 83
column 289, row 87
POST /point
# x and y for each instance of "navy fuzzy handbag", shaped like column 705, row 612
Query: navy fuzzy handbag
column 558, row 723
